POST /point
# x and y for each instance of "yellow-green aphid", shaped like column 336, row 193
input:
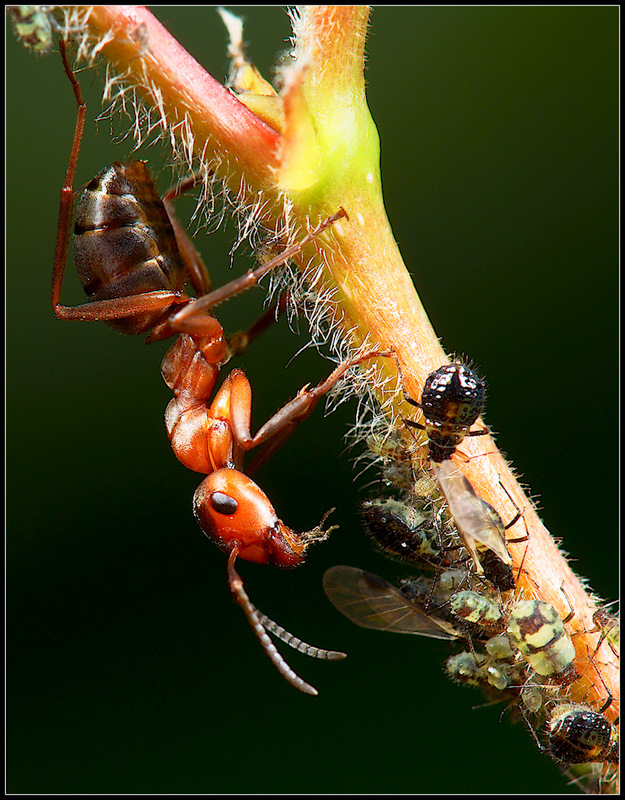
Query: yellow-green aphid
column 499, row 647
column 32, row 26
column 608, row 624
column 578, row 735
column 476, row 608
column 537, row 631
column 532, row 699
column 465, row 668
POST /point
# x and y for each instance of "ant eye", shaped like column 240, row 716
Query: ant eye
column 223, row 503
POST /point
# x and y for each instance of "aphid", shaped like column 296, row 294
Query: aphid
column 497, row 573
column 391, row 453
column 476, row 608
column 538, row 633
column 476, row 669
column 578, row 735
column 372, row 602
column 499, row 647
column 477, row 522
column 33, row 27
column 608, row 625
column 404, row 532
column 451, row 401
column 533, row 627
column 451, row 579
column 532, row 699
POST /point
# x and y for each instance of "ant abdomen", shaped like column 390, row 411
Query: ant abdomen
column 124, row 244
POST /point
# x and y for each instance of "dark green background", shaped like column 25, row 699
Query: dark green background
column 129, row 669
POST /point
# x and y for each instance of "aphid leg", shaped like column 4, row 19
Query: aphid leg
column 241, row 340
column 479, row 432
column 297, row 644
column 240, row 596
column 412, row 424
column 518, row 575
column 571, row 612
column 408, row 398
column 103, row 309
column 519, row 514
column 604, row 625
column 188, row 318
column 610, row 698
column 530, row 727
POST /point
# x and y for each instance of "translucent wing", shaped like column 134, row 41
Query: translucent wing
column 477, row 522
column 372, row 602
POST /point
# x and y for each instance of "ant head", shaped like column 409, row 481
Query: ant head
column 234, row 513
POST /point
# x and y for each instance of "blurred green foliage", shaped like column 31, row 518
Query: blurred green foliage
column 130, row 670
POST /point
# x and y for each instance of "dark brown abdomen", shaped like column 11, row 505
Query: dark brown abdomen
column 124, row 243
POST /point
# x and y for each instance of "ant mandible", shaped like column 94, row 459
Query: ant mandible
column 133, row 259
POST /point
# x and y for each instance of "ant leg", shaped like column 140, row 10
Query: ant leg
column 240, row 341
column 283, row 423
column 241, row 597
column 120, row 307
column 196, row 269
column 103, row 309
column 189, row 319
column 66, row 205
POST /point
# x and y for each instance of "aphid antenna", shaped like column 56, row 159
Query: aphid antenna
column 402, row 386
column 611, row 774
column 581, row 782
column 493, row 702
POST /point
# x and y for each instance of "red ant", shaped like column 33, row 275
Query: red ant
column 133, row 259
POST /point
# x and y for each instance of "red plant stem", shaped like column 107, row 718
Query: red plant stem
column 141, row 49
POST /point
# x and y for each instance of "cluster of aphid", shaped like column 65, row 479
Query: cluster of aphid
column 134, row 260
column 519, row 650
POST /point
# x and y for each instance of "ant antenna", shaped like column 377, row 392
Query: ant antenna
column 241, row 597
column 297, row 644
